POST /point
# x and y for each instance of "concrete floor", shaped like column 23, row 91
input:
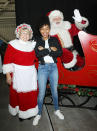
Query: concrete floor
column 76, row 119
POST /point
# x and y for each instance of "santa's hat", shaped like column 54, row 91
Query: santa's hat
column 22, row 26
column 55, row 13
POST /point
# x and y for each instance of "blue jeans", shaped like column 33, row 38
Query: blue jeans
column 45, row 72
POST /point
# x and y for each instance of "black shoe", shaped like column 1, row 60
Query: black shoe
column 21, row 120
column 30, row 118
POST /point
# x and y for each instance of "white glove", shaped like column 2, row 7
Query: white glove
column 77, row 16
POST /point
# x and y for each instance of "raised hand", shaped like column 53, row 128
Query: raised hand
column 77, row 16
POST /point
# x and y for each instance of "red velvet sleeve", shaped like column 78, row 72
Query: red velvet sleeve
column 73, row 30
column 8, row 58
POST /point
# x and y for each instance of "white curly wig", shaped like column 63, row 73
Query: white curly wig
column 23, row 26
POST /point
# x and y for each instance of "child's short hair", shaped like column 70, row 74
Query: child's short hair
column 44, row 20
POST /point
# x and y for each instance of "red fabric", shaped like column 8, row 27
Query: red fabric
column 60, row 71
column 80, row 61
column 73, row 31
column 13, row 97
column 48, row 13
column 83, row 22
column 67, row 56
column 25, row 101
column 24, row 58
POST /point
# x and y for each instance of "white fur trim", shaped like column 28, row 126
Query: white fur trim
column 8, row 68
column 80, row 26
column 66, row 25
column 73, row 62
column 29, row 113
column 23, row 46
column 55, row 13
column 13, row 111
column 23, row 114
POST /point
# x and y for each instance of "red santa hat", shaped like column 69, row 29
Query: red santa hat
column 54, row 14
column 22, row 26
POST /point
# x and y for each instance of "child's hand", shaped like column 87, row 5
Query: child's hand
column 8, row 78
column 53, row 48
column 40, row 48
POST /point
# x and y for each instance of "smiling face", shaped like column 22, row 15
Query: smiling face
column 24, row 35
column 44, row 31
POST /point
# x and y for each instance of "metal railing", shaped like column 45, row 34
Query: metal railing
column 7, row 20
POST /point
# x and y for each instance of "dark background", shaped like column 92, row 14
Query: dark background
column 29, row 11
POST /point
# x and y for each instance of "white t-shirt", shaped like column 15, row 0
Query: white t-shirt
column 48, row 59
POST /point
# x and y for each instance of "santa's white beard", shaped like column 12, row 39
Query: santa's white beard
column 62, row 31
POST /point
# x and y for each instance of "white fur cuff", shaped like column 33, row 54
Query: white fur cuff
column 73, row 62
column 7, row 68
column 80, row 26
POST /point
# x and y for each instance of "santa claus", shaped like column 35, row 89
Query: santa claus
column 65, row 31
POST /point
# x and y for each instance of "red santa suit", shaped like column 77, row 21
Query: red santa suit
column 65, row 31
column 19, row 61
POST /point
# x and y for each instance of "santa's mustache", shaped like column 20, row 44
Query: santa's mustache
column 57, row 24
